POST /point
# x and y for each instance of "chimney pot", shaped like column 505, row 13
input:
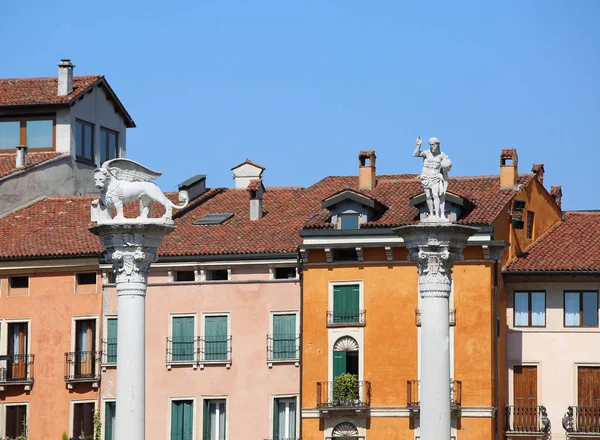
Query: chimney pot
column 509, row 168
column 65, row 77
column 366, row 169
column 556, row 193
column 538, row 170
column 21, row 156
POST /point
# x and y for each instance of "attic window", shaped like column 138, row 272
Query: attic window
column 345, row 254
column 348, row 221
column 213, row 219
column 285, row 273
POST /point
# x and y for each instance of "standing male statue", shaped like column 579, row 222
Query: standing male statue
column 434, row 177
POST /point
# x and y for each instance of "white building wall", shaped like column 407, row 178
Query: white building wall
column 556, row 350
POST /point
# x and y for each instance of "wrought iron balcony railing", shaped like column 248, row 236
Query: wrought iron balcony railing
column 451, row 317
column 16, row 369
column 526, row 419
column 183, row 350
column 199, row 350
column 582, row 420
column 346, row 318
column 283, row 348
column 109, row 351
column 332, row 397
column 82, row 366
column 413, row 393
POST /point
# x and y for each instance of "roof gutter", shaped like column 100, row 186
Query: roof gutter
column 550, row 272
column 368, row 231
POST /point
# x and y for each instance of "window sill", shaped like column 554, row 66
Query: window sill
column 191, row 363
column 105, row 365
column 225, row 362
column 294, row 361
column 345, row 324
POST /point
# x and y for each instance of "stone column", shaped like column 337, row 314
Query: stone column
column 434, row 247
column 131, row 246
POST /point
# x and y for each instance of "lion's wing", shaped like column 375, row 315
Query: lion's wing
column 129, row 170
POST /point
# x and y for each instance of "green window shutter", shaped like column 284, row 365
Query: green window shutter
column 346, row 303
column 339, row 363
column 216, row 338
column 188, row 425
column 276, row 419
column 182, row 345
column 176, row 421
column 111, row 342
column 109, row 420
column 206, row 421
column 284, row 336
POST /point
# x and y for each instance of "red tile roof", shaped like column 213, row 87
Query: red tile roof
column 32, row 91
column 8, row 161
column 572, row 245
column 57, row 226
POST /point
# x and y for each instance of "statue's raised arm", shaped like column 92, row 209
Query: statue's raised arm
column 418, row 152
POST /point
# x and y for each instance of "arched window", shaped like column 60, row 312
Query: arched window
column 345, row 430
column 345, row 356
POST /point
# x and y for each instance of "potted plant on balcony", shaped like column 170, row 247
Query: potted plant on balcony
column 345, row 390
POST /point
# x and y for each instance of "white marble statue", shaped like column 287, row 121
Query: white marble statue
column 434, row 178
column 122, row 181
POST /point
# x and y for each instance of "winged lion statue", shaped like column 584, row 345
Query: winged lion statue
column 122, row 181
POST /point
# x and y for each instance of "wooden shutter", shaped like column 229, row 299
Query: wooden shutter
column 346, row 303
column 216, row 338
column 176, row 420
column 111, row 334
column 276, row 419
column 284, row 336
column 206, row 420
column 339, row 363
column 588, row 386
column 188, row 423
column 525, row 397
column 109, row 420
column 183, row 338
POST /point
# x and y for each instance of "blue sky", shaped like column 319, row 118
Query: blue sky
column 301, row 87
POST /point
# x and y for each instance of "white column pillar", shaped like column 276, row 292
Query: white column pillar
column 131, row 246
column 434, row 247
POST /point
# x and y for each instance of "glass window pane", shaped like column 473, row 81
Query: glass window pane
column 39, row 134
column 103, row 157
column 521, row 308
column 9, row 135
column 79, row 139
column 112, row 145
column 349, row 221
column 590, row 309
column 89, row 138
column 571, row 309
column 538, row 309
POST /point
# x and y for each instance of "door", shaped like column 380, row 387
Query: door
column 17, row 350
column 284, row 419
column 214, row 418
column 588, row 399
column 525, row 398
column 216, row 338
column 85, row 347
column 83, row 419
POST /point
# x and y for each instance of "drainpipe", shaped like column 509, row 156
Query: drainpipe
column 497, row 332
column 299, row 263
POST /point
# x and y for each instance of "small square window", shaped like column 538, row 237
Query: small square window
column 348, row 221
column 345, row 254
column 184, row 275
column 85, row 279
column 285, row 273
column 19, row 282
column 217, row 275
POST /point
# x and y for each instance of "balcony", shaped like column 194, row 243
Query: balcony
column 451, row 317
column 343, row 395
column 109, row 352
column 350, row 318
column 526, row 421
column 16, row 369
column 582, row 422
column 413, row 393
column 283, row 349
column 82, row 367
column 198, row 351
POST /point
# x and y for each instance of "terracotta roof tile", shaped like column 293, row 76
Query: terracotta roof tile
column 31, row 91
column 508, row 153
column 248, row 161
column 573, row 245
column 8, row 161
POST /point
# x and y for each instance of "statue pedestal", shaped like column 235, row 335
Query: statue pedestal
column 434, row 246
column 131, row 246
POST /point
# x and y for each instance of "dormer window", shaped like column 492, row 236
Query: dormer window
column 350, row 209
column 348, row 221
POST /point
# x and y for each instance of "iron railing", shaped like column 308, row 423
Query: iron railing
column 526, row 419
column 109, row 351
column 413, row 393
column 215, row 349
column 582, row 419
column 16, row 368
column 328, row 396
column 82, row 366
column 451, row 317
column 283, row 347
column 346, row 318
column 183, row 349
column 203, row 349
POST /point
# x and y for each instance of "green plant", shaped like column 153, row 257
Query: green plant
column 345, row 389
column 97, row 426
column 65, row 436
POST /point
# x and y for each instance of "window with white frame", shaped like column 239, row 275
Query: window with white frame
column 284, row 339
column 216, row 346
column 182, row 343
column 83, row 419
column 15, row 420
column 182, row 419
column 214, row 419
column 110, row 410
column 284, row 418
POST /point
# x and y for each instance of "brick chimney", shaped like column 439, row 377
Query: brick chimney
column 538, row 171
column 509, row 170
column 366, row 169
column 556, row 193
column 65, row 77
column 256, row 190
column 21, row 156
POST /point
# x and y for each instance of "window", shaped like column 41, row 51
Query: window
column 284, row 337
column 18, row 286
column 345, row 356
column 182, row 419
column 182, row 341
column 214, row 420
column 108, row 145
column 217, row 275
column 85, row 282
column 345, row 254
column 83, row 419
column 530, row 309
column 110, row 410
column 284, row 418
column 185, row 275
column 581, row 309
column 530, row 221
column 85, row 348
column 346, row 304
column 35, row 132
column 16, row 421
column 111, row 340
column 348, row 221
column 285, row 273
column 216, row 339
column 17, row 351
column 84, row 140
